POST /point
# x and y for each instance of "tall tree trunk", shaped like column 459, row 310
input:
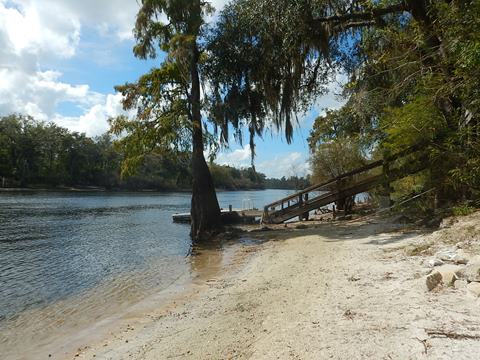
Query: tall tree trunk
column 436, row 54
column 205, row 211
column 448, row 104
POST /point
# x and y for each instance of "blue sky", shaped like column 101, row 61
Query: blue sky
column 60, row 61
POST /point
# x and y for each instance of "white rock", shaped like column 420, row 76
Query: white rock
column 450, row 273
column 448, row 222
column 472, row 271
column 433, row 280
column 446, row 255
column 460, row 284
column 457, row 269
column 474, row 288
column 449, row 278
column 434, row 262
column 460, row 259
column 456, row 256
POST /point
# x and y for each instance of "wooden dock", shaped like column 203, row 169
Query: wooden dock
column 234, row 216
column 303, row 202
column 341, row 187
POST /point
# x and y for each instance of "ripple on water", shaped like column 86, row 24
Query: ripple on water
column 72, row 259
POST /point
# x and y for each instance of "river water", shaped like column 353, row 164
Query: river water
column 73, row 258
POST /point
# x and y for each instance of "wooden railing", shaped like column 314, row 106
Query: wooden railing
column 321, row 187
column 331, row 190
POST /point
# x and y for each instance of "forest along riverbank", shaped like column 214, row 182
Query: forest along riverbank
column 351, row 290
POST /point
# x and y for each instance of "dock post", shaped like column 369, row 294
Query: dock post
column 386, row 187
column 306, row 215
column 230, row 208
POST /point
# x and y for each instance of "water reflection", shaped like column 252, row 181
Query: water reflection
column 69, row 259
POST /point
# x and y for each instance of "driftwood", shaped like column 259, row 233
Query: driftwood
column 425, row 345
column 451, row 334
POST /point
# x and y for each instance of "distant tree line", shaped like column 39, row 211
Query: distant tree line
column 290, row 183
column 45, row 155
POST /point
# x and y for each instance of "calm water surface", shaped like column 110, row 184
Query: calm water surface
column 66, row 254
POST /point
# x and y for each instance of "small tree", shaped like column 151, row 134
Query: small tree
column 332, row 159
column 168, row 100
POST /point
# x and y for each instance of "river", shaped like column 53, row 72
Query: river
column 68, row 259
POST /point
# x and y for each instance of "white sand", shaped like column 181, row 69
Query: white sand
column 332, row 292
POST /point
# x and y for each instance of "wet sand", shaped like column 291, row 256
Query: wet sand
column 58, row 330
column 331, row 291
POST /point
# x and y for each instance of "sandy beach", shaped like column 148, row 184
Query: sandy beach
column 330, row 291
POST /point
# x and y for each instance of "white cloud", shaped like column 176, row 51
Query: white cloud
column 237, row 158
column 37, row 30
column 94, row 122
column 42, row 94
column 287, row 164
column 111, row 17
column 219, row 4
column 34, row 32
column 39, row 93
column 106, row 16
column 284, row 164
column 331, row 100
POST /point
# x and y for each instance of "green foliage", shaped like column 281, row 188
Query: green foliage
column 331, row 159
column 412, row 207
column 463, row 210
column 185, row 18
column 162, row 123
column 161, row 173
column 336, row 124
column 416, row 122
column 229, row 178
column 409, row 186
column 290, row 183
column 264, row 66
column 414, row 80
column 167, row 110
column 168, row 105
column 459, row 23
column 38, row 154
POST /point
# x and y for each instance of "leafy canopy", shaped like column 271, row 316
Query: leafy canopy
column 162, row 97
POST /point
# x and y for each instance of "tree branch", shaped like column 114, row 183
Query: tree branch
column 357, row 24
column 362, row 17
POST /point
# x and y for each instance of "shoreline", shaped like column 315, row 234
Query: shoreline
column 61, row 338
column 118, row 191
column 327, row 290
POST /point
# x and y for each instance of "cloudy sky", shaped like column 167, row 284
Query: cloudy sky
column 60, row 59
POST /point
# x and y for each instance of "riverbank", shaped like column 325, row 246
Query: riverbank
column 93, row 189
column 338, row 291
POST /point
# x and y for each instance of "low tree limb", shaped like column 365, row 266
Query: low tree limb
column 361, row 17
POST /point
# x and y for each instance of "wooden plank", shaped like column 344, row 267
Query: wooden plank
column 360, row 170
column 323, row 185
column 322, row 200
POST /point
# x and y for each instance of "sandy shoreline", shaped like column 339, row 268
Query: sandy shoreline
column 344, row 291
